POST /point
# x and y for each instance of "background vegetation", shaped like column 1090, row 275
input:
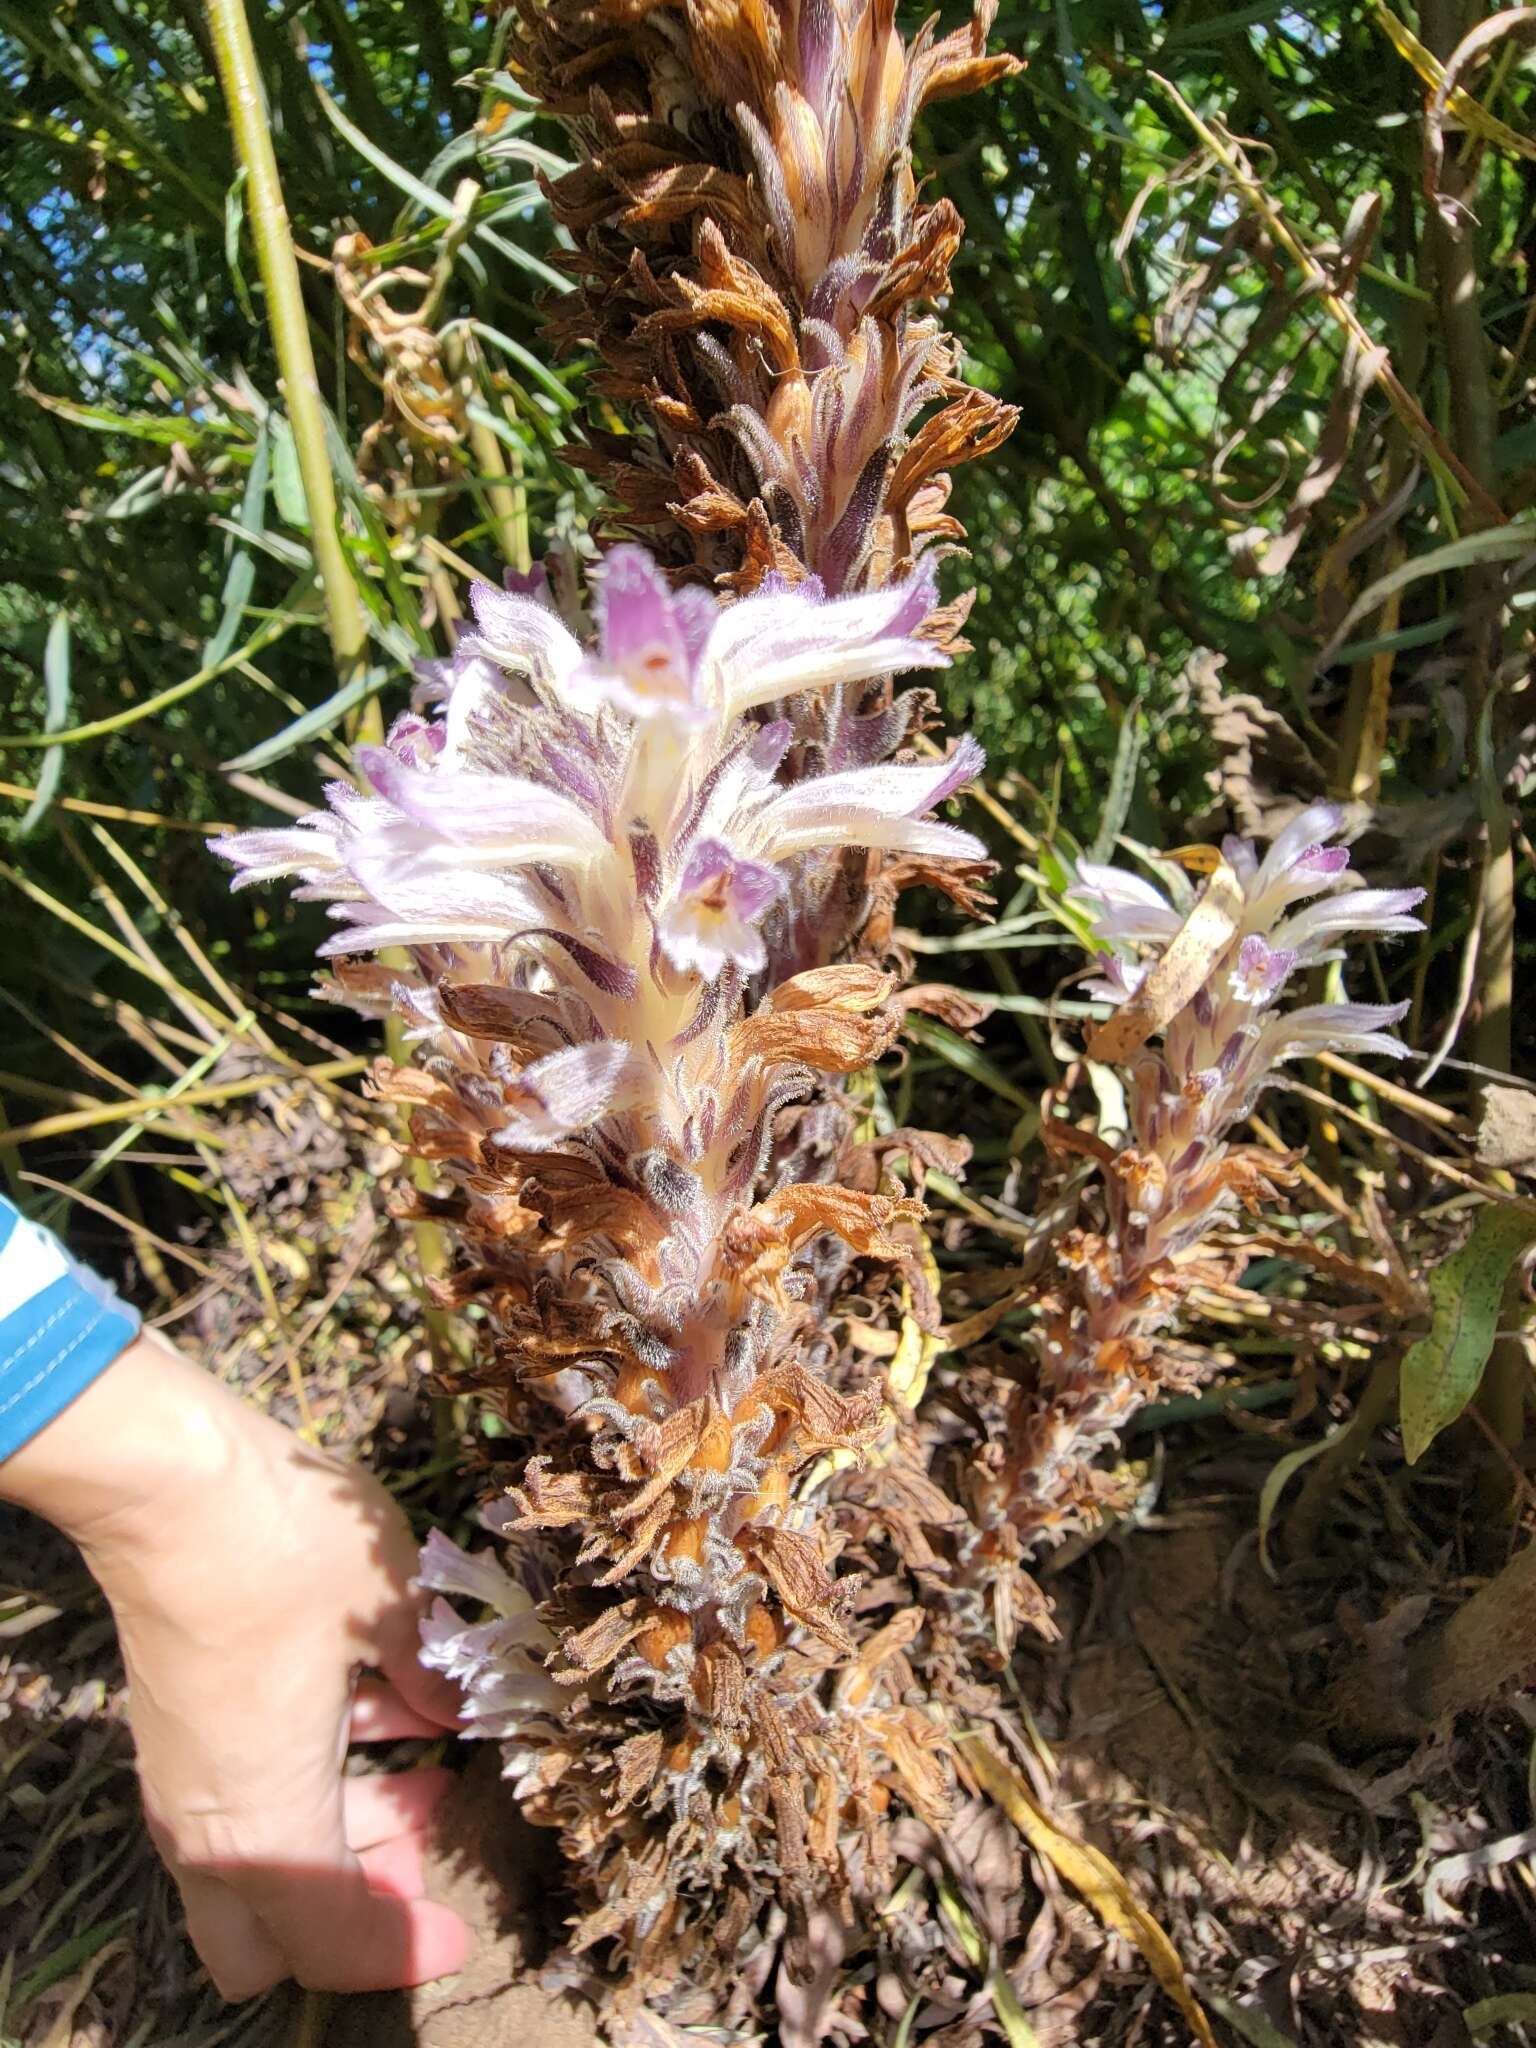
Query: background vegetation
column 1258, row 279
column 1193, row 230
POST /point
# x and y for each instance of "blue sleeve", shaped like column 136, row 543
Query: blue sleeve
column 60, row 1325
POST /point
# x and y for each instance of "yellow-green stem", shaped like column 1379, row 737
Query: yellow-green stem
column 241, row 79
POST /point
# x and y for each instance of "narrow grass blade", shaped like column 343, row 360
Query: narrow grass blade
column 56, row 673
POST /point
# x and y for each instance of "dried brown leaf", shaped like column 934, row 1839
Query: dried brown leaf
column 1183, row 969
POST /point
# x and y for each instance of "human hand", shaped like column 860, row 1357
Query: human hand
column 250, row 1576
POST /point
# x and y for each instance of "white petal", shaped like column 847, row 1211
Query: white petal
column 310, row 848
column 1135, row 921
column 570, row 1089
column 1116, row 887
column 505, row 819
column 445, row 1568
column 427, row 905
column 1312, row 827
column 1358, row 911
column 771, row 646
column 881, row 806
column 518, row 634
column 1333, row 1027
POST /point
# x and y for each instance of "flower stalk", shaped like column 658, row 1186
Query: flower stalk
column 627, row 891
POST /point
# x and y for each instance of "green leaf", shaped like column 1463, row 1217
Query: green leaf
column 234, row 222
column 1010, row 2014
column 525, row 260
column 968, row 1059
column 398, row 176
column 68, row 1955
column 145, row 494
column 539, row 372
column 1442, row 1371
column 1122, row 782
column 166, row 429
column 287, row 482
column 903, row 2035
column 1193, row 34
column 1494, row 544
column 241, row 574
column 1278, row 1478
column 1243, row 2020
column 319, row 720
column 56, row 669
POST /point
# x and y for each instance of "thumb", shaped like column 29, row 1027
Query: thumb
column 397, row 1646
column 387, row 1629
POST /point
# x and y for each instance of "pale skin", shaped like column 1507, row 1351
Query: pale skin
column 252, row 1578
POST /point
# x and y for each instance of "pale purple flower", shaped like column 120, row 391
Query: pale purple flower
column 651, row 642
column 884, row 806
column 1188, row 1094
column 479, row 820
column 1332, row 1027
column 1230, row 1029
column 531, row 582
column 520, row 654
column 1358, row 912
column 498, row 1664
column 1122, row 905
column 567, row 1091
column 311, row 849
column 1118, row 978
column 423, row 906
column 1311, row 828
column 415, row 740
column 679, row 654
column 517, row 819
column 787, row 639
column 467, row 673
column 482, row 1577
column 709, row 920
column 1260, row 970
column 597, row 861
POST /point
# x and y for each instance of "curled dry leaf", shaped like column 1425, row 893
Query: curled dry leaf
column 1181, row 970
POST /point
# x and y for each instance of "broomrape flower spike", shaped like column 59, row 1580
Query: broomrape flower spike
column 1180, row 1170
column 646, row 887
column 590, row 856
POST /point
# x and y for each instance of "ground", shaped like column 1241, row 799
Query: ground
column 1312, row 1894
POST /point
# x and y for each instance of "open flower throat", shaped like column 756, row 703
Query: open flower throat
column 591, row 857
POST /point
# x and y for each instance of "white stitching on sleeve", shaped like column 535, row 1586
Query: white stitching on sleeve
column 56, row 1361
